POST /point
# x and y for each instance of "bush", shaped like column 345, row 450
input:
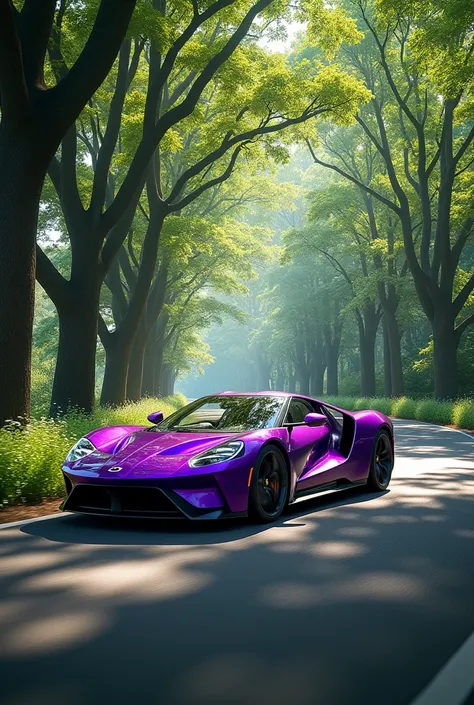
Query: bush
column 463, row 414
column 31, row 457
column 404, row 408
column 460, row 413
column 434, row 411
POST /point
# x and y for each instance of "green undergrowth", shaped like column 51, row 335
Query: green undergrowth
column 457, row 413
column 31, row 457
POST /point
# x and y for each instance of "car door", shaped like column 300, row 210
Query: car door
column 307, row 444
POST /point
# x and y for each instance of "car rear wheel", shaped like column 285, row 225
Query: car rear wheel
column 269, row 485
column 382, row 462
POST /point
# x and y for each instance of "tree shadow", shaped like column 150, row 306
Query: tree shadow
column 349, row 599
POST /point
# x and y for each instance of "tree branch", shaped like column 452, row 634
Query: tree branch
column 178, row 113
column 13, row 89
column 109, row 141
column 54, row 284
column 209, row 184
column 461, row 327
column 35, row 23
column 390, row 204
column 95, row 61
column 463, row 295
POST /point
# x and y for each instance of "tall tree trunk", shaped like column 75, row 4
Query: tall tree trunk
column 396, row 364
column 263, row 373
column 135, row 368
column 21, row 178
column 148, row 377
column 332, row 382
column 117, row 359
column 368, row 325
column 280, row 379
column 304, row 380
column 158, row 363
column 74, row 376
column 445, row 357
column 77, row 304
column 292, row 382
column 316, row 385
column 387, row 365
column 168, row 380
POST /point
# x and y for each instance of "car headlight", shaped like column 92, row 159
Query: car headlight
column 80, row 450
column 226, row 451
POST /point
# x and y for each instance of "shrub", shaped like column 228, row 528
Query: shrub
column 382, row 404
column 404, row 408
column 434, row 411
column 31, row 457
column 463, row 413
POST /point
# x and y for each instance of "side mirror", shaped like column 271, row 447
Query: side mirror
column 156, row 417
column 315, row 419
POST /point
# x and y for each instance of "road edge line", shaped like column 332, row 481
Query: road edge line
column 454, row 682
column 20, row 522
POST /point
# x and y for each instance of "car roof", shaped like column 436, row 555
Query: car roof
column 269, row 393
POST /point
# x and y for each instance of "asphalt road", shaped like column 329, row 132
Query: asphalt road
column 351, row 599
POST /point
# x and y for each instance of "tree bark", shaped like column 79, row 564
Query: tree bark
column 168, row 380
column 445, row 358
column 148, row 377
column 396, row 364
column 22, row 173
column 387, row 365
column 158, row 371
column 135, row 369
column 74, row 377
column 292, row 383
column 332, row 382
column 367, row 324
column 304, row 380
column 114, row 386
column 316, row 386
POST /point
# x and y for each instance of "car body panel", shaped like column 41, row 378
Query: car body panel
column 141, row 457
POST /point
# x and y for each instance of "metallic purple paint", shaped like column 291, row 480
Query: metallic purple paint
column 134, row 458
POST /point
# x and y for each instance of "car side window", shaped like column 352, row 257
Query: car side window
column 297, row 411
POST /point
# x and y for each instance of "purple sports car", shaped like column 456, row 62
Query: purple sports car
column 230, row 454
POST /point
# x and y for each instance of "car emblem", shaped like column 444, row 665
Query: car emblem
column 116, row 468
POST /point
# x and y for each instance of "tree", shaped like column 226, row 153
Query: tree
column 425, row 142
column 244, row 109
column 34, row 118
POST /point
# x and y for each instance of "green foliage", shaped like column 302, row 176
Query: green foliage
column 31, row 457
column 463, row 414
column 459, row 413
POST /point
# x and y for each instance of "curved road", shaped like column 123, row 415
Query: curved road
column 351, row 599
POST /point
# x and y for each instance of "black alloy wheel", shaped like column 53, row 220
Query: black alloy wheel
column 382, row 462
column 269, row 485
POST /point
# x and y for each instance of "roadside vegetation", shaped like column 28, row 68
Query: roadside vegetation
column 31, row 456
column 458, row 413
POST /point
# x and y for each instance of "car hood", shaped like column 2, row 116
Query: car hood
column 147, row 453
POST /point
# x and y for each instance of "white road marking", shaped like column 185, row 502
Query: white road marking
column 454, row 682
column 29, row 521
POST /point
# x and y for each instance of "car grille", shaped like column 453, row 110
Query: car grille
column 121, row 501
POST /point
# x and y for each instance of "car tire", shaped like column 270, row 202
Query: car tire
column 269, row 486
column 381, row 464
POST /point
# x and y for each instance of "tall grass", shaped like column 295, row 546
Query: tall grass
column 31, row 457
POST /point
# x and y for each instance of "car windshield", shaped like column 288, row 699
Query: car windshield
column 225, row 414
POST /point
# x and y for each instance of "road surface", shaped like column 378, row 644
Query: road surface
column 351, row 599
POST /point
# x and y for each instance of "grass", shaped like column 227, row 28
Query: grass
column 457, row 413
column 31, row 458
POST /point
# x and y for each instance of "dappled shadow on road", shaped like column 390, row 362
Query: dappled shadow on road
column 318, row 609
